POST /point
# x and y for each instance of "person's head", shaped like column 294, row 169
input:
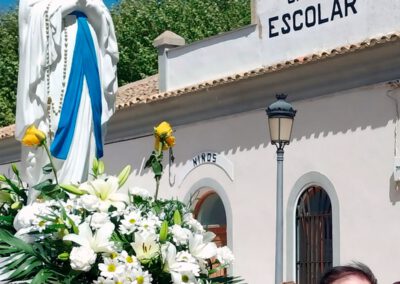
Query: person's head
column 356, row 273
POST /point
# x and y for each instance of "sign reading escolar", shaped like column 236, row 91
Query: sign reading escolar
column 310, row 16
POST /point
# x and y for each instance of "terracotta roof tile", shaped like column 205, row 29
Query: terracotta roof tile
column 136, row 92
column 7, row 131
column 153, row 97
column 146, row 90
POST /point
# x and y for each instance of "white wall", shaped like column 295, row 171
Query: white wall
column 252, row 47
column 348, row 137
column 216, row 57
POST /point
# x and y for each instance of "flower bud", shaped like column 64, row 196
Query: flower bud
column 16, row 205
column 95, row 166
column 15, row 169
column 177, row 218
column 72, row 189
column 63, row 256
column 123, row 176
column 101, row 168
column 2, row 178
column 164, row 231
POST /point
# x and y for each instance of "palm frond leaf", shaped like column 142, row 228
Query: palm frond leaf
column 18, row 260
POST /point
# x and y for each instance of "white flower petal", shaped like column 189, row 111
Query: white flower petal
column 77, row 239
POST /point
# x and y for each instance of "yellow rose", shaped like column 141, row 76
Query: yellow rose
column 170, row 140
column 157, row 144
column 163, row 134
column 163, row 129
column 33, row 137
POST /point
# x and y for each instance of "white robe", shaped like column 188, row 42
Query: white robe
column 32, row 94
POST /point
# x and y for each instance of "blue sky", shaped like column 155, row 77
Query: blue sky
column 4, row 4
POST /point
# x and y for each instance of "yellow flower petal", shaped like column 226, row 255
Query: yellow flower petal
column 33, row 137
column 163, row 129
column 170, row 140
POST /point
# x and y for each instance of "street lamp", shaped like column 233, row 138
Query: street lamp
column 280, row 120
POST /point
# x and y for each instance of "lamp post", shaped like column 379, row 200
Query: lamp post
column 280, row 120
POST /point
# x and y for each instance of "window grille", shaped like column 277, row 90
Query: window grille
column 313, row 235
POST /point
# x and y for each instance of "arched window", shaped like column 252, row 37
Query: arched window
column 210, row 212
column 313, row 235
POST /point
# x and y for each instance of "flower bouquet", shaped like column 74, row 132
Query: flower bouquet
column 102, row 231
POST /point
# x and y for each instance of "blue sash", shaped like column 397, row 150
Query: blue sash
column 84, row 66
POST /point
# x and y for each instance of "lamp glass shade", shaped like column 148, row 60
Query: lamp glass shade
column 280, row 129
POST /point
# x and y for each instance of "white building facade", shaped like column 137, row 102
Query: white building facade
column 341, row 190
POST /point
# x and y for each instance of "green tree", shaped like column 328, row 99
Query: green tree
column 137, row 24
column 8, row 66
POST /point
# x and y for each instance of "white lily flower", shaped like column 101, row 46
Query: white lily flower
column 107, row 193
column 193, row 223
column 225, row 255
column 179, row 264
column 201, row 245
column 98, row 242
column 146, row 247
column 180, row 235
column 98, row 220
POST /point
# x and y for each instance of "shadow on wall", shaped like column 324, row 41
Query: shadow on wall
column 347, row 111
column 394, row 192
column 366, row 108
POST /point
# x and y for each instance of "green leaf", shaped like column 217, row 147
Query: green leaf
column 5, row 197
column 26, row 268
column 225, row 280
column 44, row 185
column 42, row 276
column 20, row 192
column 8, row 220
column 47, row 169
column 157, row 168
column 149, row 162
column 8, row 238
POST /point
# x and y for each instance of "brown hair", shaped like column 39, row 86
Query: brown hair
column 356, row 269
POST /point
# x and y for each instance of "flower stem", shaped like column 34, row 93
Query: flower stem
column 159, row 159
column 157, row 188
column 51, row 162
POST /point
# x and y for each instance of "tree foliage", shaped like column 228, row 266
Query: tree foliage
column 8, row 66
column 137, row 24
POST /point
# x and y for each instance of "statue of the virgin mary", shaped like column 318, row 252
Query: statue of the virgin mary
column 67, row 83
